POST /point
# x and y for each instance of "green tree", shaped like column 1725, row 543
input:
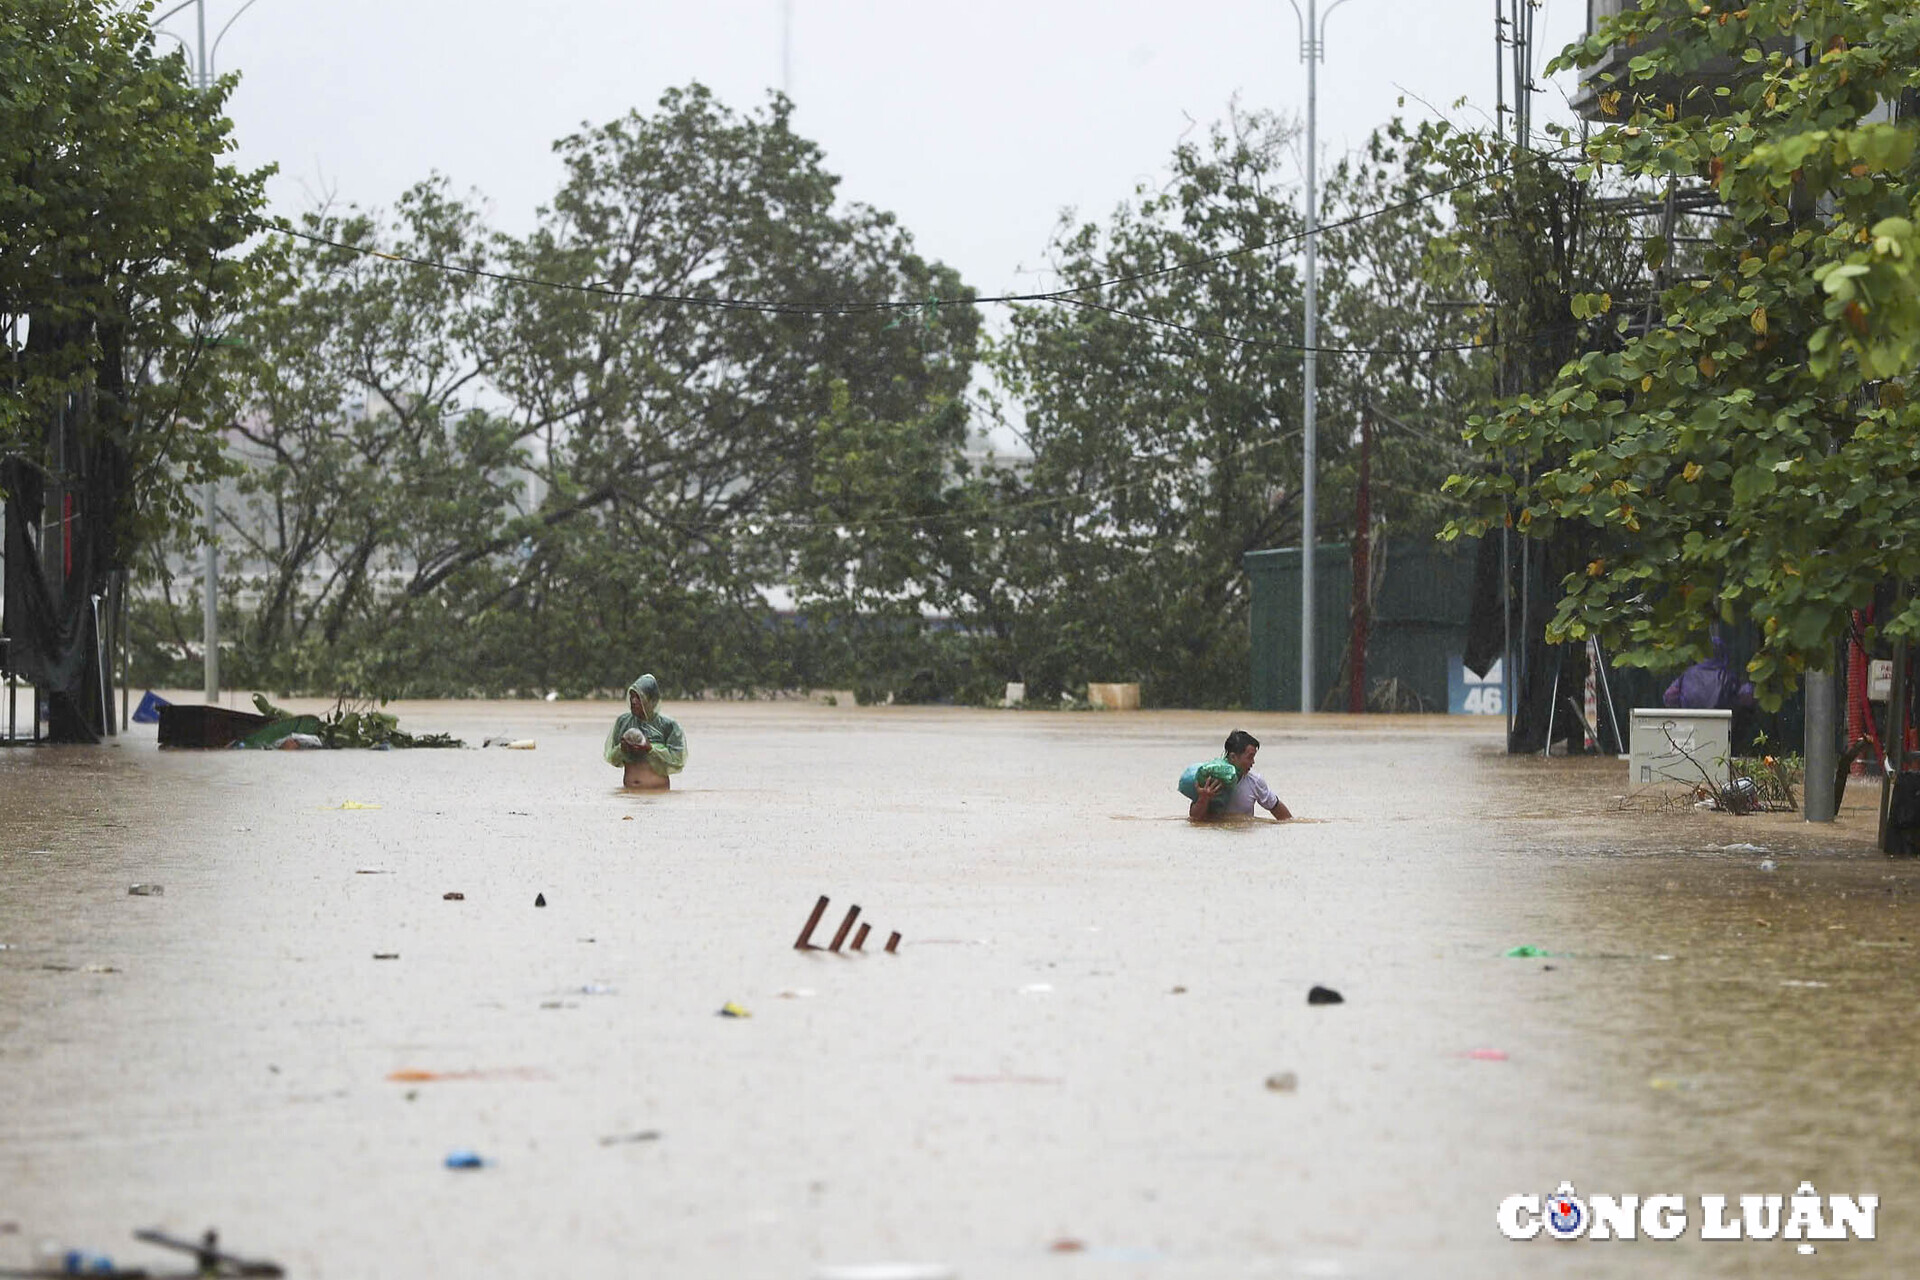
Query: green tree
column 596, row 447
column 1162, row 407
column 1752, row 451
column 366, row 454
column 118, row 226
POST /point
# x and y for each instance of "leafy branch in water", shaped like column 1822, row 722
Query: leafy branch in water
column 359, row 723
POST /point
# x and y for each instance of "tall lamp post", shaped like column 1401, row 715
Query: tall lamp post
column 203, row 72
column 1313, row 33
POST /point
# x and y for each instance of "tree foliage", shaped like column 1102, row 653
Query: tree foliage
column 575, row 451
column 1162, row 406
column 119, row 223
column 1752, row 451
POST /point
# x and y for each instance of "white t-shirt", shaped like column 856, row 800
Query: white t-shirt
column 1251, row 790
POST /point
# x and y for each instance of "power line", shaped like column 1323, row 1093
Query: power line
column 794, row 521
column 1274, row 344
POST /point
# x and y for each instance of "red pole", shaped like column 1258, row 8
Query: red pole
column 1362, row 569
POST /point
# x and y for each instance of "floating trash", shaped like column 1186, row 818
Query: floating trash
column 618, row 1139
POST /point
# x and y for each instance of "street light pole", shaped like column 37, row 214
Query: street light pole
column 786, row 48
column 1312, row 51
column 203, row 73
column 211, row 574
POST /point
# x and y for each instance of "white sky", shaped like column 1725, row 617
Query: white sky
column 975, row 123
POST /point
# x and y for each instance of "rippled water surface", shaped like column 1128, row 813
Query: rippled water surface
column 1071, row 1045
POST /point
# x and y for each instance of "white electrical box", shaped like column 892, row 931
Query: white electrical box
column 1879, row 679
column 1665, row 737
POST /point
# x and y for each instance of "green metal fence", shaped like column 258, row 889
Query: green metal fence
column 1420, row 628
column 1419, row 624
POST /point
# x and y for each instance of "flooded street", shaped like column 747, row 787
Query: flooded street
column 1072, row 1046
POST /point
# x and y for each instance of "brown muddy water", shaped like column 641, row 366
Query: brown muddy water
column 1071, row 1048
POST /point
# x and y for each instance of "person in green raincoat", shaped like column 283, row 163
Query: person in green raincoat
column 649, row 744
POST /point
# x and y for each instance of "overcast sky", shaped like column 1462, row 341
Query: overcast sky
column 976, row 123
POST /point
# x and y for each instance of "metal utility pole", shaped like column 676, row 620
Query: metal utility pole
column 203, row 73
column 1823, row 760
column 1313, row 31
column 1362, row 570
column 211, row 575
column 786, row 48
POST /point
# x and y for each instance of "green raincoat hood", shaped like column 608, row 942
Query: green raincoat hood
column 649, row 690
column 668, row 743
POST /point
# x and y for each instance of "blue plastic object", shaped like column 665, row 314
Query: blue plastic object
column 464, row 1159
column 148, row 712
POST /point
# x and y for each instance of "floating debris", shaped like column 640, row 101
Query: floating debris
column 1009, row 1079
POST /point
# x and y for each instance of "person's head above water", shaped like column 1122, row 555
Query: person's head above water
column 643, row 695
column 1241, row 747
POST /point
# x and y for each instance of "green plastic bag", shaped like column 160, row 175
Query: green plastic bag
column 1220, row 768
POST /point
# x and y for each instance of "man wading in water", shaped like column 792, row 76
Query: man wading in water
column 1251, row 789
column 650, row 745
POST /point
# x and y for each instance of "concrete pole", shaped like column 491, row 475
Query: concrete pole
column 786, row 48
column 1310, row 441
column 1821, row 757
column 211, row 573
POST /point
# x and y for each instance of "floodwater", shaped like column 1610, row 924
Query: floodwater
column 1071, row 1047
